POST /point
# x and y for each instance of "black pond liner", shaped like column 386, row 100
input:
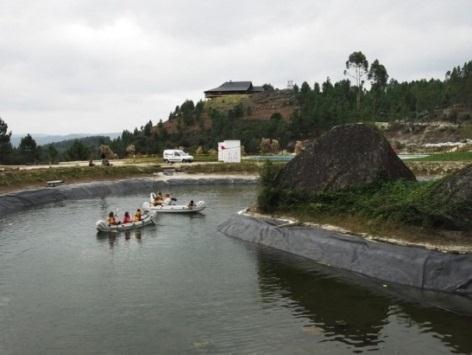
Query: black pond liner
column 412, row 266
column 18, row 201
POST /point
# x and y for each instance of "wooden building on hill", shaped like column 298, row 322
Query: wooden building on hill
column 232, row 88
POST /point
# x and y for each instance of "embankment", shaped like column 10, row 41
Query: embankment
column 412, row 266
column 17, row 201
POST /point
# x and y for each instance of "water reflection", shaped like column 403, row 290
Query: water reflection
column 452, row 329
column 347, row 314
column 113, row 238
column 354, row 310
column 103, row 204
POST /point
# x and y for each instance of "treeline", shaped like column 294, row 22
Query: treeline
column 325, row 105
column 29, row 152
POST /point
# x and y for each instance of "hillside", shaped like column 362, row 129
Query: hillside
column 256, row 107
column 43, row 139
column 442, row 129
column 90, row 142
column 414, row 114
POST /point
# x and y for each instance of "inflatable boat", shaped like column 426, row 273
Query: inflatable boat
column 152, row 198
column 198, row 207
column 102, row 226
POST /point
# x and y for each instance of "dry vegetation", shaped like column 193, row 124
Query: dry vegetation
column 14, row 179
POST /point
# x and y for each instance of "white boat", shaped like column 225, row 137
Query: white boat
column 152, row 198
column 102, row 226
column 198, row 207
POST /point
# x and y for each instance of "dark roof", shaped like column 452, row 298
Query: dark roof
column 233, row 86
column 257, row 88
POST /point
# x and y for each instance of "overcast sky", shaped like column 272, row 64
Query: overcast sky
column 107, row 65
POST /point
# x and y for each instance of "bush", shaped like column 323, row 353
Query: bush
column 401, row 202
column 270, row 195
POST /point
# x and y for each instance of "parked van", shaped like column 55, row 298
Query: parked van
column 176, row 156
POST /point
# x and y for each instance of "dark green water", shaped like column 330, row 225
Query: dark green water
column 181, row 287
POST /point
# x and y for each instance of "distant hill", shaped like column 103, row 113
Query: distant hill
column 43, row 139
column 90, row 142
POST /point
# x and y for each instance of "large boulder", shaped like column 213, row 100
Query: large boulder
column 346, row 156
column 450, row 200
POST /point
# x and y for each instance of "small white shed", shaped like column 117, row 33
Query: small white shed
column 229, row 151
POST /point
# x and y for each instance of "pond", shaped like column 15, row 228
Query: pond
column 182, row 287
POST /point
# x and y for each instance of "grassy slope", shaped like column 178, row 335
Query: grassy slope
column 224, row 103
column 16, row 179
column 450, row 156
column 405, row 210
column 223, row 168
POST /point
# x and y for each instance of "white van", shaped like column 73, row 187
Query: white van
column 176, row 156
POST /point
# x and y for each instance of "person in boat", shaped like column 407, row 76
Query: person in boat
column 138, row 216
column 158, row 200
column 127, row 218
column 191, row 204
column 112, row 220
column 167, row 199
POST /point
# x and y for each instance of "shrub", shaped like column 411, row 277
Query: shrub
column 401, row 202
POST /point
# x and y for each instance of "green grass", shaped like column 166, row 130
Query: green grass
column 222, row 168
column 226, row 102
column 465, row 131
column 205, row 157
column 450, row 156
column 144, row 159
column 245, row 167
column 13, row 178
column 401, row 202
column 404, row 211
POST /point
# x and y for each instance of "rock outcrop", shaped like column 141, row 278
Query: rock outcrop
column 346, row 156
column 451, row 200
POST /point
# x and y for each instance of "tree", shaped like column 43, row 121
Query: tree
column 199, row 107
column 5, row 144
column 28, row 149
column 378, row 76
column 148, row 129
column 356, row 67
column 268, row 87
column 78, row 151
column 305, row 89
column 186, row 111
column 52, row 153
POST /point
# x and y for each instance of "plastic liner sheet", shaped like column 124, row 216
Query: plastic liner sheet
column 18, row 201
column 412, row 266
